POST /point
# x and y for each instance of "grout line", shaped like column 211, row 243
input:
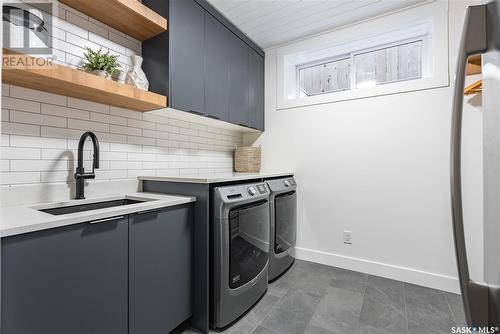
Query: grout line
column 405, row 308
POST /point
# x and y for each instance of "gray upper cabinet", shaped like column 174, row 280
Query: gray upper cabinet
column 217, row 58
column 71, row 279
column 205, row 64
column 256, row 90
column 187, row 26
column 161, row 250
column 238, row 82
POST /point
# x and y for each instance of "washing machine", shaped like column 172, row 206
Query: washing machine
column 283, row 209
column 240, row 253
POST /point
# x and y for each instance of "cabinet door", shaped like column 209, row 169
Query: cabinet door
column 256, row 90
column 238, row 81
column 161, row 248
column 217, row 58
column 186, row 27
column 71, row 279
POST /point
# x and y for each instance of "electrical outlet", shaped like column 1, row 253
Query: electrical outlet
column 348, row 237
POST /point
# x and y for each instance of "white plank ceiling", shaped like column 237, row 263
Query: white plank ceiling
column 273, row 22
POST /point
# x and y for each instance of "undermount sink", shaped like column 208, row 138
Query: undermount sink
column 62, row 210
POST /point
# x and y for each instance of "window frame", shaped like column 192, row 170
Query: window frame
column 428, row 21
column 352, row 64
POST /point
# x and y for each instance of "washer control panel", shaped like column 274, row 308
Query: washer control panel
column 282, row 184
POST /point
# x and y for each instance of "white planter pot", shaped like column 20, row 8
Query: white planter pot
column 102, row 74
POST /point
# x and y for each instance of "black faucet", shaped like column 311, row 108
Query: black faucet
column 80, row 174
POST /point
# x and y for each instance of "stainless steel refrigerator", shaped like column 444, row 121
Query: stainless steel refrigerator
column 481, row 35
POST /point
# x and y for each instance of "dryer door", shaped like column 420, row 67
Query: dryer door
column 285, row 216
column 248, row 242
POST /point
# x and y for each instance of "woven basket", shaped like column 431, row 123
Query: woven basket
column 247, row 159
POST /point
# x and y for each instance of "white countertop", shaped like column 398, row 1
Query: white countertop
column 26, row 218
column 215, row 178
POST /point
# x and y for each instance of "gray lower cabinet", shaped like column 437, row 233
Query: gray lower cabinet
column 161, row 248
column 186, row 25
column 72, row 279
column 129, row 274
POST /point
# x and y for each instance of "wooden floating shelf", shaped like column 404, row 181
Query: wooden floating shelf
column 474, row 65
column 64, row 80
column 128, row 16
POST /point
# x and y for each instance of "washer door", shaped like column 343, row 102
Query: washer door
column 248, row 242
column 285, row 217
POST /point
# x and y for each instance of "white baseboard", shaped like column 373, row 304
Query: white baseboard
column 404, row 274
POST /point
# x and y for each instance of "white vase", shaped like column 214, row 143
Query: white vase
column 136, row 76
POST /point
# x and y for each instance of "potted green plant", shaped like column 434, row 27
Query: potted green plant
column 99, row 63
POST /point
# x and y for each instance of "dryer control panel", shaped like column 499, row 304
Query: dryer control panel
column 282, row 184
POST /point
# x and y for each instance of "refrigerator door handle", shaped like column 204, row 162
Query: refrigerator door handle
column 474, row 295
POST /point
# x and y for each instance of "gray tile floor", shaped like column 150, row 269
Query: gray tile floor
column 316, row 299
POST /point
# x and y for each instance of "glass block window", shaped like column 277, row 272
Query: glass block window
column 396, row 63
column 325, row 77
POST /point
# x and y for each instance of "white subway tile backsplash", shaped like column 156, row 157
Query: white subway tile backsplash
column 125, row 130
column 129, row 43
column 63, row 176
column 124, row 148
column 40, row 142
column 5, row 89
column 140, row 140
column 20, row 104
column 141, row 124
column 84, row 23
column 125, row 165
column 106, row 43
column 19, row 178
column 4, row 165
column 155, row 134
column 54, row 110
column 121, row 156
column 51, row 132
column 167, row 128
column 87, row 105
column 111, row 137
column 20, row 129
column 36, row 95
column 40, row 119
column 5, row 115
column 98, row 117
column 141, row 157
column 5, row 140
column 155, row 118
column 87, row 125
column 178, row 123
column 19, row 153
column 125, row 113
column 167, row 143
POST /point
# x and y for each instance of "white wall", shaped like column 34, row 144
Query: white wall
column 377, row 167
column 40, row 131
